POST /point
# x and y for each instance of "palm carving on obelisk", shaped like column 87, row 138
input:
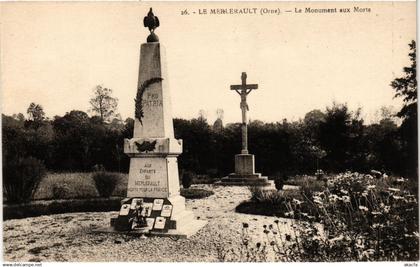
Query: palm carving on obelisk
column 139, row 114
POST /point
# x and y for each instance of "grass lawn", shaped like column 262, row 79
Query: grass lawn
column 80, row 185
column 76, row 185
column 76, row 192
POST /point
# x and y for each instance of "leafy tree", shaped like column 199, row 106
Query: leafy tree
column 103, row 104
column 333, row 135
column 73, row 140
column 386, row 113
column 356, row 153
column 26, row 139
column 272, row 144
column 13, row 139
column 128, row 128
column 202, row 115
column 314, row 118
column 35, row 112
column 19, row 117
column 82, row 142
column 198, row 145
column 383, row 146
column 406, row 87
column 309, row 141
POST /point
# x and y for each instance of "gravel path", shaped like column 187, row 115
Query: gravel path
column 68, row 237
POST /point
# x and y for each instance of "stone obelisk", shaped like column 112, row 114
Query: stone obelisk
column 244, row 162
column 153, row 198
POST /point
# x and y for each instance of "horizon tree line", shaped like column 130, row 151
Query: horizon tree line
column 335, row 139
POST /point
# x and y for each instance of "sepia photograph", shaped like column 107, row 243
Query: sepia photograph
column 209, row 132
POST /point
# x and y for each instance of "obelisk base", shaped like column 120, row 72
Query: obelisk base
column 245, row 173
column 184, row 222
column 176, row 221
column 154, row 205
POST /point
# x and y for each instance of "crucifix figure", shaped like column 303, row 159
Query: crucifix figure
column 243, row 90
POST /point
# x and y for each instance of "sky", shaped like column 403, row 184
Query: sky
column 55, row 53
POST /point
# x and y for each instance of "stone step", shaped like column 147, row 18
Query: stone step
column 185, row 223
column 185, row 231
column 248, row 176
column 244, row 179
column 183, row 216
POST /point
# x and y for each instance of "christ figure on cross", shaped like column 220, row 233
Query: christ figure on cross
column 243, row 90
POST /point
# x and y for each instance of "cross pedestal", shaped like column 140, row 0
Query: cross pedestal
column 244, row 162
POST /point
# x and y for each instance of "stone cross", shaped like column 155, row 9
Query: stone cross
column 243, row 90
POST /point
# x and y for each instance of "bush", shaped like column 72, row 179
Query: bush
column 21, row 179
column 213, row 173
column 98, row 168
column 105, row 182
column 187, row 178
column 48, row 207
column 271, row 202
column 269, row 197
column 309, row 186
column 279, row 181
column 195, row 193
column 60, row 191
column 203, row 179
column 257, row 193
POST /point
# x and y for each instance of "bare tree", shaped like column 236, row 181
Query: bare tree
column 103, row 104
column 202, row 115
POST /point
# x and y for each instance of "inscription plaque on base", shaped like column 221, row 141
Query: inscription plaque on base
column 160, row 223
column 135, row 201
column 166, row 211
column 125, row 209
column 157, row 204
